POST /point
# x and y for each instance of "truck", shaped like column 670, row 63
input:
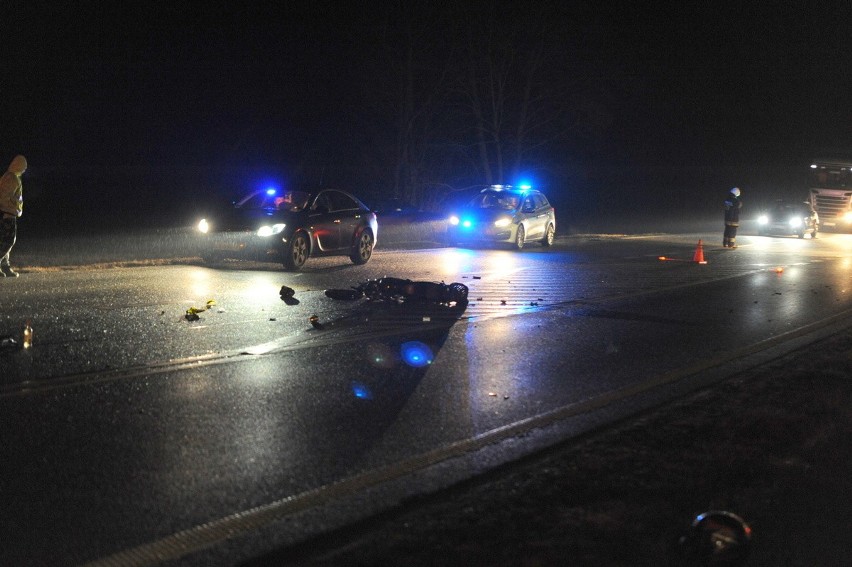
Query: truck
column 830, row 192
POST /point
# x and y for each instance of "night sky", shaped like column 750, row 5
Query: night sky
column 138, row 112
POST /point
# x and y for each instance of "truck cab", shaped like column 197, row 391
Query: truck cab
column 830, row 193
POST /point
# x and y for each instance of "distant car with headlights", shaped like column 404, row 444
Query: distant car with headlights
column 504, row 214
column 787, row 219
column 290, row 227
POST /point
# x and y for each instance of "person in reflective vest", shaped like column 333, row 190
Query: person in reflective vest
column 11, row 207
column 733, row 204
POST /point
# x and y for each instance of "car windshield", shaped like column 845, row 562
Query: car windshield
column 294, row 201
column 792, row 209
column 494, row 200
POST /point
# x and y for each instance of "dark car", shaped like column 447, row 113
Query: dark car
column 786, row 218
column 503, row 214
column 290, row 227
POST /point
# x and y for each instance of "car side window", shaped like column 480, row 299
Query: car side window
column 529, row 204
column 340, row 201
column 322, row 202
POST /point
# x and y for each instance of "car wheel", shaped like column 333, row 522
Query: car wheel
column 520, row 237
column 296, row 252
column 363, row 248
column 801, row 234
column 549, row 235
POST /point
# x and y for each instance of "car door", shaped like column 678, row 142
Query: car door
column 325, row 223
column 348, row 215
column 547, row 212
column 534, row 216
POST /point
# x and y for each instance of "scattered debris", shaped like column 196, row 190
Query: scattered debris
column 287, row 295
column 192, row 313
column 28, row 336
column 315, row 323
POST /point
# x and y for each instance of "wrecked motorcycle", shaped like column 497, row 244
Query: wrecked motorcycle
column 404, row 291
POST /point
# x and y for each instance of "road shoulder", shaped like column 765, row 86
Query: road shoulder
column 770, row 444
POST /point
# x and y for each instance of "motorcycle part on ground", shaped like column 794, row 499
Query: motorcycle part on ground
column 344, row 294
column 717, row 537
column 398, row 289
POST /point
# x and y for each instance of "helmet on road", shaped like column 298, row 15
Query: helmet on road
column 736, row 191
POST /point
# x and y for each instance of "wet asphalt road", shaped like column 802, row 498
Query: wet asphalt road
column 131, row 434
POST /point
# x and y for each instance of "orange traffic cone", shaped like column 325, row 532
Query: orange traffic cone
column 699, row 254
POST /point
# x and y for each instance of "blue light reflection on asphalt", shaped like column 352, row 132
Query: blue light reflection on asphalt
column 361, row 391
column 416, row 354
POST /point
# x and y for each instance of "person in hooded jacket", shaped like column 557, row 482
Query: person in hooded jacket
column 11, row 207
column 733, row 204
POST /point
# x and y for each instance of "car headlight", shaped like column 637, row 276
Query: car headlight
column 203, row 226
column 270, row 230
column 453, row 220
column 848, row 216
column 502, row 222
column 796, row 221
column 763, row 219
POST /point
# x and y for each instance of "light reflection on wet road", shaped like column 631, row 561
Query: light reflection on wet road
column 140, row 424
